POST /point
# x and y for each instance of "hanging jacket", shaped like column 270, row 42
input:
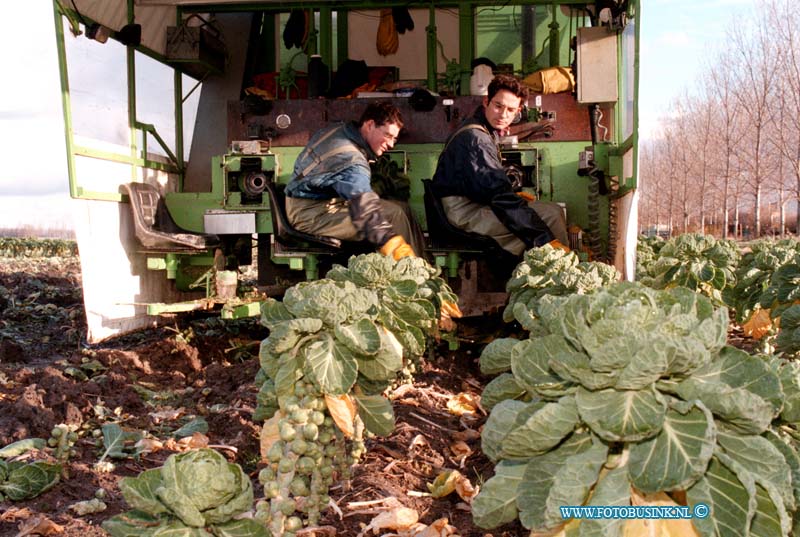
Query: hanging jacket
column 470, row 166
column 335, row 164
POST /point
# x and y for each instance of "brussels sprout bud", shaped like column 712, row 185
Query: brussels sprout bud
column 262, row 517
column 271, row 489
column 293, row 523
column 299, row 487
column 299, row 390
column 275, row 453
column 52, row 442
column 314, row 452
column 324, row 438
column 327, row 421
column 100, row 493
column 310, row 431
column 265, row 475
column 287, row 432
column 326, row 471
column 97, row 433
column 262, row 505
column 56, row 432
column 286, row 507
column 299, row 416
column 286, row 466
column 317, row 417
column 299, row 446
column 305, row 465
column 72, row 437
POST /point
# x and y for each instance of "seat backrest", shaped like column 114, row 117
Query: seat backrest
column 145, row 199
column 284, row 231
column 277, row 208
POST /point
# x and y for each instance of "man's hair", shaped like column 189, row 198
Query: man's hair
column 381, row 113
column 508, row 83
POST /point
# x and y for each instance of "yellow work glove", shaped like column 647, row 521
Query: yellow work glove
column 556, row 244
column 397, row 247
column 526, row 196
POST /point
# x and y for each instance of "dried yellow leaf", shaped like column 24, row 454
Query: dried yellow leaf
column 466, row 435
column 460, row 449
column 148, row 445
column 464, row 403
column 758, row 325
column 439, row 528
column 399, row 518
column 444, row 484
column 465, row 490
column 39, row 526
column 343, row 411
column 270, row 433
column 196, row 441
column 657, row 527
column 451, row 481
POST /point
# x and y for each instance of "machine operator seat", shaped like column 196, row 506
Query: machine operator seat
column 154, row 227
column 444, row 235
column 289, row 239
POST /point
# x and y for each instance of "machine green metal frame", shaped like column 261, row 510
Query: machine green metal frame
column 187, row 207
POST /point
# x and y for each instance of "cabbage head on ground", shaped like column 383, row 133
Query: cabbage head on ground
column 192, row 492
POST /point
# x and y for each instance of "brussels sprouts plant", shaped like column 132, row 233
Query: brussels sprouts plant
column 700, row 262
column 551, row 271
column 334, row 346
column 631, row 390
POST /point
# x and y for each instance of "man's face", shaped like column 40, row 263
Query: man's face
column 380, row 138
column 501, row 109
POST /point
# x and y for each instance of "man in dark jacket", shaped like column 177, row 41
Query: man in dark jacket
column 476, row 193
column 330, row 192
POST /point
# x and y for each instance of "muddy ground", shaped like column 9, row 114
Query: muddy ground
column 157, row 380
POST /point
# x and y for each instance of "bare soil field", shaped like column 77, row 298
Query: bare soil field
column 157, row 380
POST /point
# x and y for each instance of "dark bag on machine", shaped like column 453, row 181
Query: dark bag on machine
column 351, row 74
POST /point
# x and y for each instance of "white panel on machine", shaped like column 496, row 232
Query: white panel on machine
column 597, row 65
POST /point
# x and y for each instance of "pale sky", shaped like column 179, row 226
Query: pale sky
column 677, row 37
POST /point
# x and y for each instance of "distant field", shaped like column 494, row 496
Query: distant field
column 37, row 232
column 36, row 247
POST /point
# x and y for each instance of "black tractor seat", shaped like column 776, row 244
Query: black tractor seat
column 155, row 229
column 447, row 237
column 290, row 239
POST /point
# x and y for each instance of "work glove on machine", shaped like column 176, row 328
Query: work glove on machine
column 397, row 248
column 365, row 212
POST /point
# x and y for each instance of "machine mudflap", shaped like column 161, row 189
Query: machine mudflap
column 154, row 227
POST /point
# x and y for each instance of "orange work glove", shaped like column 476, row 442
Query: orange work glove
column 556, row 244
column 526, row 196
column 397, row 247
column 451, row 309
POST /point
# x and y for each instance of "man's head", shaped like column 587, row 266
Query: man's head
column 503, row 101
column 380, row 125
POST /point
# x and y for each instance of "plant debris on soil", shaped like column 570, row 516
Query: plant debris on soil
column 202, row 370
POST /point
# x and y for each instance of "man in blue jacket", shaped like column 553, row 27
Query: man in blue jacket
column 330, row 192
column 476, row 193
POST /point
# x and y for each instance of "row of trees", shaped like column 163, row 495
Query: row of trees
column 731, row 146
